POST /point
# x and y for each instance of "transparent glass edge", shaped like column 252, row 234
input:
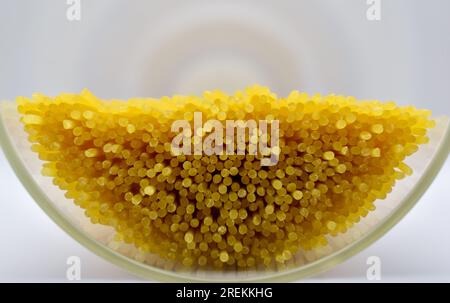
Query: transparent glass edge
column 149, row 272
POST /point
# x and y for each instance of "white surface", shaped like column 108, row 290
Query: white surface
column 35, row 249
column 122, row 49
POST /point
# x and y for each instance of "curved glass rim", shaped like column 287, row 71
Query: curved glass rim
column 153, row 273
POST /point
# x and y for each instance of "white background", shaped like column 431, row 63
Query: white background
column 124, row 48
